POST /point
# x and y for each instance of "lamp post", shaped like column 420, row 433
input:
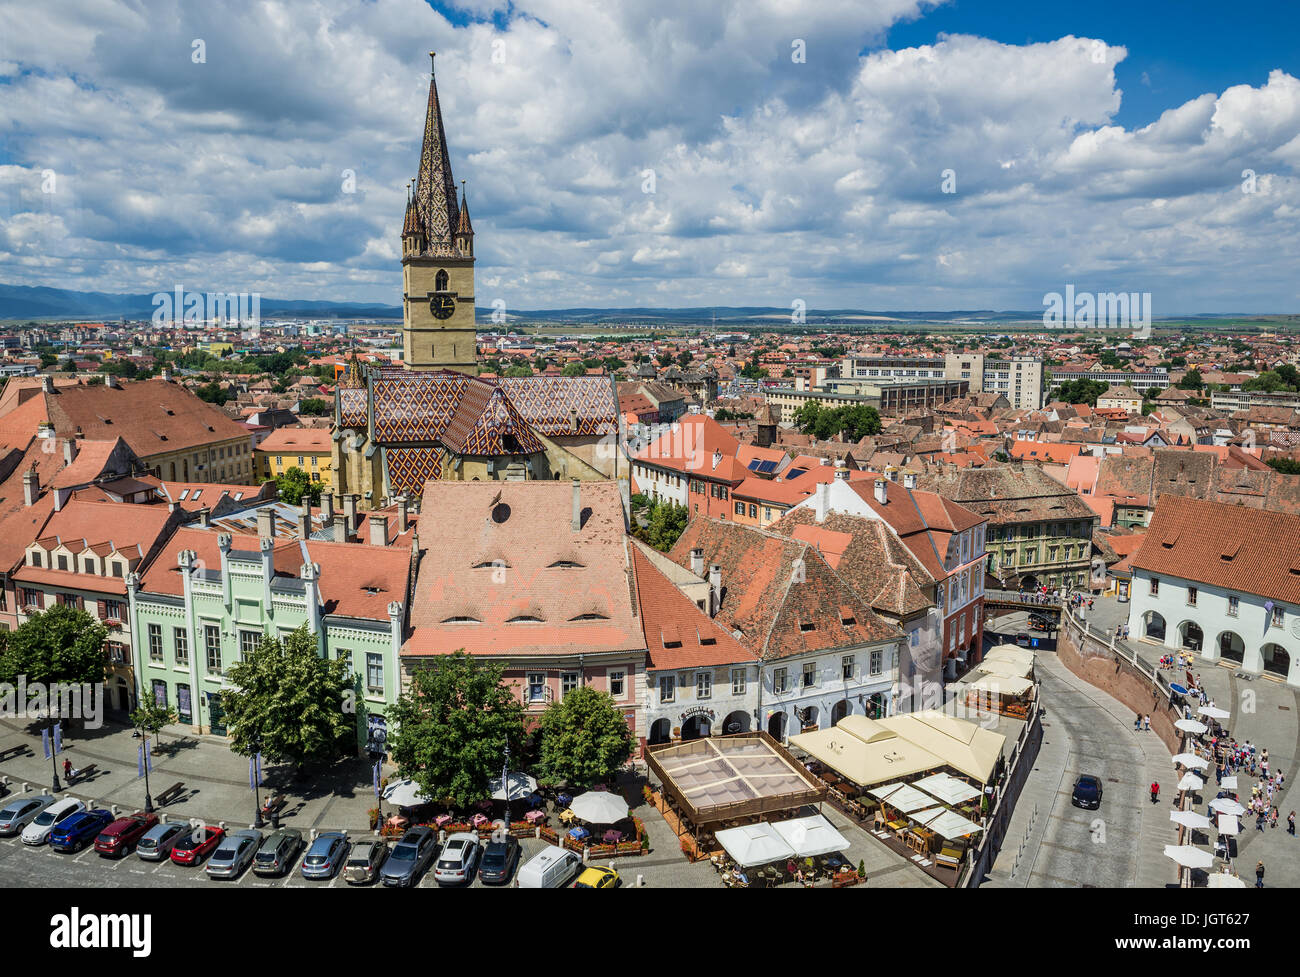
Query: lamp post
column 54, row 751
column 505, row 784
column 144, row 765
column 253, row 771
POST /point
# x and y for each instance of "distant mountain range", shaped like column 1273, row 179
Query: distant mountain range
column 27, row 302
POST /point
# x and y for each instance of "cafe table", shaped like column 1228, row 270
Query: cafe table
column 579, row 833
column 612, row 837
column 479, row 821
column 441, row 820
column 535, row 817
column 567, row 816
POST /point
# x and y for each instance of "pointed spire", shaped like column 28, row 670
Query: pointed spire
column 435, row 189
column 463, row 226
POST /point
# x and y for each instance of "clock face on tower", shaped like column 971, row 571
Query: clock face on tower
column 442, row 306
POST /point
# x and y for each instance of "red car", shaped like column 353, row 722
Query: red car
column 121, row 836
column 197, row 845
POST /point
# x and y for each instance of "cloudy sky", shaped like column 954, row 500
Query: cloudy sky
column 674, row 153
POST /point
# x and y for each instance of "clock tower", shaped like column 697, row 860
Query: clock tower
column 437, row 260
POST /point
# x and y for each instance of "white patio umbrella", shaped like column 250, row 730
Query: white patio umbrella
column 1226, row 805
column 1230, row 782
column 1190, row 782
column 1190, row 819
column 599, row 807
column 404, row 793
column 1214, row 712
column 1189, row 857
column 1222, row 880
column 809, row 836
column 1229, row 825
column 1190, row 760
column 753, row 844
column 1191, row 726
column 517, row 787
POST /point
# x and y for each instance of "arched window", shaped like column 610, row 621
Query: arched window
column 440, row 281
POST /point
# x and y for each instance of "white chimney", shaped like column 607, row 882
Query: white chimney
column 266, row 523
column 717, row 459
column 909, row 480
column 577, row 506
column 31, row 486
column 327, row 508
column 882, row 491
column 842, row 474
column 69, row 451
column 822, row 500
column 715, row 589
column 110, row 381
column 205, row 518
column 47, row 384
column 340, row 528
column 697, row 562
column 403, row 514
column 378, row 530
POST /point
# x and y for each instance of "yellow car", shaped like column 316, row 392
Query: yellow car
column 597, row 878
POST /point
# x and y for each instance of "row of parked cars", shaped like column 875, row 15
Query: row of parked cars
column 67, row 825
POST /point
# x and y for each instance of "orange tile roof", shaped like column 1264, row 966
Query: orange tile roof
column 668, row 616
column 289, row 440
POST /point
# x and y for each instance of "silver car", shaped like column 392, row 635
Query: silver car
column 325, row 856
column 278, row 852
column 235, row 851
column 18, row 812
column 458, row 861
column 157, row 843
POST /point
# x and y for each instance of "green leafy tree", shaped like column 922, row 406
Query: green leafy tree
column 212, row 392
column 315, row 407
column 519, row 371
column 452, row 725
column 289, row 703
column 574, row 370
column 665, row 358
column 294, row 483
column 666, row 521
column 585, row 739
column 1081, row 391
column 1287, row 466
column 1270, row 381
column 62, row 644
column 120, row 368
column 1191, row 380
column 684, row 358
column 152, row 717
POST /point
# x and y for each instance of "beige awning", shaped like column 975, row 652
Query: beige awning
column 1010, row 653
column 962, row 745
column 1004, row 668
column 1001, row 685
column 886, row 757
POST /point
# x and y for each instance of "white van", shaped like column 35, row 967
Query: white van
column 38, row 832
column 551, row 868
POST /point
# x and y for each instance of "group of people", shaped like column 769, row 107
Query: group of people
column 1040, row 596
column 1168, row 661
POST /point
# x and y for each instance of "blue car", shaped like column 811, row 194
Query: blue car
column 76, row 832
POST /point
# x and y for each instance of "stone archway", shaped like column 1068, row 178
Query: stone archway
column 1190, row 636
column 697, row 727
column 777, row 724
column 1153, row 626
column 1232, row 647
column 661, row 731
column 809, row 717
column 841, row 709
column 736, row 722
column 1276, row 659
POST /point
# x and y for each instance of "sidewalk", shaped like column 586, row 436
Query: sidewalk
column 215, row 780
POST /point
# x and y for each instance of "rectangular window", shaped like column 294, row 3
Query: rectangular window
column 737, row 681
column 780, row 680
column 212, row 645
column 1279, row 615
column 536, row 687
column 809, row 674
column 345, row 656
column 1191, row 596
column 160, row 693
column 704, row 685
column 568, row 682
column 740, row 508
column 667, row 688
column 846, row 667
column 375, row 673
column 248, row 642
column 1155, row 586
column 877, row 662
column 155, row 643
column 1233, row 604
column 181, row 646
column 617, row 684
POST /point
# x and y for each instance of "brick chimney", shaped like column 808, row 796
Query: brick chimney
column 378, row 530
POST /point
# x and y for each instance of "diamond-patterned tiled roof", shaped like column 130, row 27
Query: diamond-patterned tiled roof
column 549, row 403
column 435, row 189
column 410, row 468
column 352, row 407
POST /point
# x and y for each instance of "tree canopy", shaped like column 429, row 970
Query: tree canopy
column 315, row 407
column 854, row 422
column 289, row 703
column 666, row 520
column 62, row 644
column 1081, row 391
column 585, row 739
column 452, row 726
column 294, row 483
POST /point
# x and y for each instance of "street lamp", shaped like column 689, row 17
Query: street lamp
column 54, row 751
column 253, row 771
column 144, row 765
column 505, row 784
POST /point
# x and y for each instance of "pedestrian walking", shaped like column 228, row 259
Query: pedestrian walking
column 1146, row 723
column 1290, row 824
column 67, row 770
column 1137, row 722
column 1259, row 875
column 1155, row 791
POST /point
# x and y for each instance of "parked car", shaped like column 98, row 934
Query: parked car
column 596, row 877
column 1087, row 791
column 76, row 832
column 410, row 857
column 38, row 832
column 325, row 856
column 124, row 833
column 1022, row 640
column 197, row 844
column 278, row 852
column 458, row 860
column 17, row 814
column 364, row 862
column 499, row 861
column 551, row 868
column 233, row 854
column 157, row 843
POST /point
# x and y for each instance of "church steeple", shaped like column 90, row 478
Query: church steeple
column 435, row 188
column 464, row 230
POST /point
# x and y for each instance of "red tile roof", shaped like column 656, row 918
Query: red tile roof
column 669, row 617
